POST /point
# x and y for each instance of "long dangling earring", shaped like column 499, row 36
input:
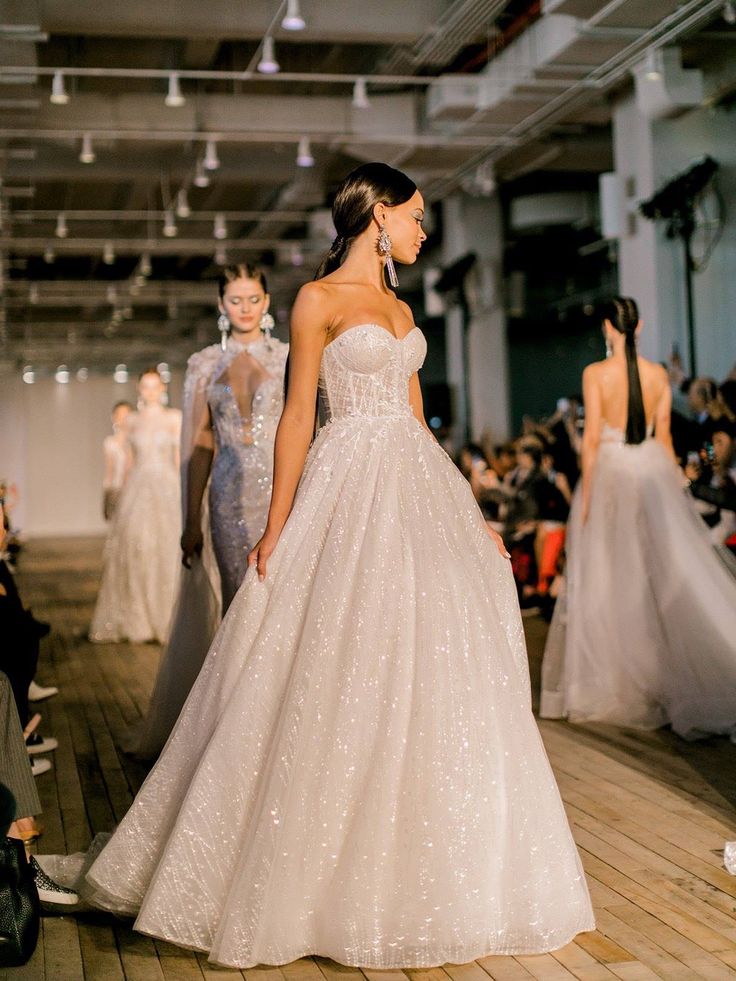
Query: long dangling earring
column 266, row 324
column 384, row 248
column 223, row 325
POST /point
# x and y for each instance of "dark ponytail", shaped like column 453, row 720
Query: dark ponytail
column 623, row 314
column 352, row 211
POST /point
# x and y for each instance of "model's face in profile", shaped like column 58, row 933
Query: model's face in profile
column 404, row 225
column 244, row 303
column 151, row 389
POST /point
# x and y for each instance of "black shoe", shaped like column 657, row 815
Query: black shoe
column 48, row 890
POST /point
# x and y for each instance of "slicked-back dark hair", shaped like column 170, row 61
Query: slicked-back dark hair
column 352, row 210
column 623, row 314
column 240, row 270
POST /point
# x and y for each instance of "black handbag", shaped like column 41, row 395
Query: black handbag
column 20, row 910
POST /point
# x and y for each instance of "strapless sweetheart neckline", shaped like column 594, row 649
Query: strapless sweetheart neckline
column 385, row 330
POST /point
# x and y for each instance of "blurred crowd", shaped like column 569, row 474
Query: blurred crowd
column 525, row 486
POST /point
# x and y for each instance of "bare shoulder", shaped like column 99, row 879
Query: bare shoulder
column 174, row 416
column 592, row 371
column 405, row 308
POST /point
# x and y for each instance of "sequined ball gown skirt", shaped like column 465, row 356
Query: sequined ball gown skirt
column 357, row 772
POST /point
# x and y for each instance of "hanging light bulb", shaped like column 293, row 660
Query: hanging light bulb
column 61, row 230
column 58, row 95
column 174, row 99
column 112, row 295
column 729, row 12
column 220, row 226
column 304, row 156
column 201, row 177
column 62, row 375
column 33, row 294
column 108, row 254
column 296, row 256
column 221, row 256
column 145, row 264
column 120, row 375
column 29, row 375
column 82, row 374
column 87, row 154
column 293, row 20
column 268, row 64
column 182, row 204
column 169, row 229
column 49, row 255
column 360, row 95
column 211, row 160
column 652, row 65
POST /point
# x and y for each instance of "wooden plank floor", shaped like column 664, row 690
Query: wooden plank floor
column 650, row 814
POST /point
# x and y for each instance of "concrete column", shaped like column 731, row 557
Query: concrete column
column 647, row 154
column 474, row 225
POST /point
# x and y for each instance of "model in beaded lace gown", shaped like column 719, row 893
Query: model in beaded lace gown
column 139, row 575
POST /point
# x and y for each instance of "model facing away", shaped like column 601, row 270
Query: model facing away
column 357, row 772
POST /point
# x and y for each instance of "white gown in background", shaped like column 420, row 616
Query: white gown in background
column 357, row 772
column 141, row 560
column 645, row 633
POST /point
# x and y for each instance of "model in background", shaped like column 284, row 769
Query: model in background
column 139, row 577
column 115, row 450
column 233, row 396
column 645, row 634
column 357, row 772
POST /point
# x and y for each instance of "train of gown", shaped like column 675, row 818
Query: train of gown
column 357, row 772
column 645, row 633
column 140, row 565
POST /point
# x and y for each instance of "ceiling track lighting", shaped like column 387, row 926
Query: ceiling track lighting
column 182, row 204
column 201, row 177
column 360, row 95
column 304, row 156
column 145, row 264
column 174, row 99
column 211, row 160
column 61, row 228
column 62, row 374
column 220, row 226
column 59, row 96
column 268, row 64
column 29, row 375
column 49, row 255
column 293, row 20
column 170, row 230
column 87, row 154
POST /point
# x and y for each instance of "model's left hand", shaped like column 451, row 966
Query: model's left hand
column 499, row 543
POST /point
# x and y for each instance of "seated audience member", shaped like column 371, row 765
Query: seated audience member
column 712, row 479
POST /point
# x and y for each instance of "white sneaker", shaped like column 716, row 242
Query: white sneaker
column 37, row 693
column 36, row 743
column 39, row 766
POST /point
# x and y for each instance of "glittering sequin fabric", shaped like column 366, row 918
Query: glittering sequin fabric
column 240, row 487
column 141, row 562
column 357, row 772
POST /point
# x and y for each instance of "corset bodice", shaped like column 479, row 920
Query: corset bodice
column 365, row 372
column 153, row 444
column 230, row 428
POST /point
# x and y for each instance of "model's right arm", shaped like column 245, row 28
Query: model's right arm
column 309, row 324
column 591, row 433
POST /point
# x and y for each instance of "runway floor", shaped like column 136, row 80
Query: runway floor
column 650, row 814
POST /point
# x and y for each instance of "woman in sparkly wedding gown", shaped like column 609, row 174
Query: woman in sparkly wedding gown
column 234, row 393
column 357, row 772
column 645, row 633
column 139, row 575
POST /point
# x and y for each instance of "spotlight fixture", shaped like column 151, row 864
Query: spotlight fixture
column 201, row 177
column 59, row 96
column 221, row 256
column 220, row 227
column 82, row 374
column 87, row 154
column 293, row 20
column 61, row 230
column 653, row 65
column 182, row 204
column 268, row 64
column 29, row 375
column 211, row 160
column 120, row 375
column 33, row 294
column 108, row 254
column 360, row 95
column 62, row 374
column 112, row 295
column 174, row 99
column 145, row 264
column 49, row 255
column 304, row 156
column 169, row 229
column 729, row 12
